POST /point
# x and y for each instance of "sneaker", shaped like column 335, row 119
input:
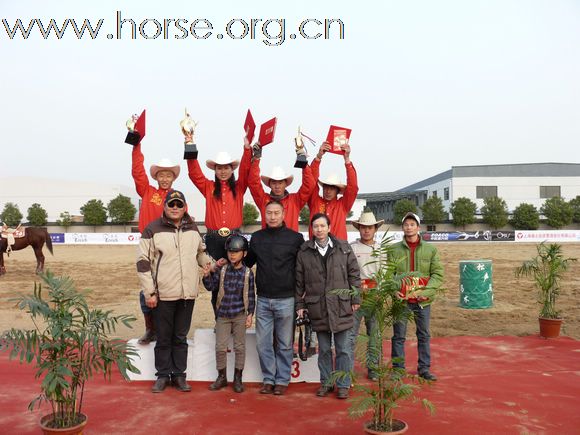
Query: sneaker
column 342, row 393
column 324, row 391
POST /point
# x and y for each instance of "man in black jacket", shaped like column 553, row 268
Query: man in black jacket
column 274, row 250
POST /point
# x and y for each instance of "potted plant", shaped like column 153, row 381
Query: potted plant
column 547, row 269
column 380, row 396
column 68, row 345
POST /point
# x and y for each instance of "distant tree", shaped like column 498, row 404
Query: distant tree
column 94, row 212
column 349, row 214
column 525, row 217
column 575, row 203
column 121, row 210
column 402, row 207
column 65, row 220
column 558, row 212
column 494, row 212
column 37, row 216
column 463, row 211
column 11, row 215
column 249, row 214
column 433, row 211
column 304, row 217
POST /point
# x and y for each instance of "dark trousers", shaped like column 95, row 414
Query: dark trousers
column 172, row 320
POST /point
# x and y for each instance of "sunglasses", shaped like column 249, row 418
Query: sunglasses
column 173, row 204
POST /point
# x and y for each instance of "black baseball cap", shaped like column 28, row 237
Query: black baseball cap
column 175, row 195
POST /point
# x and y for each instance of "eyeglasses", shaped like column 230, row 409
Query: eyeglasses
column 173, row 204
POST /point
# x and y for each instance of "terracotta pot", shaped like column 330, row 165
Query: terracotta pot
column 399, row 426
column 73, row 430
column 550, row 328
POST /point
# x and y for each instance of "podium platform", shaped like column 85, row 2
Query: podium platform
column 201, row 360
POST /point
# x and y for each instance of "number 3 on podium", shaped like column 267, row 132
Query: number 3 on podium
column 295, row 369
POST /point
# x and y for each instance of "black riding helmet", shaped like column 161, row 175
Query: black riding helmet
column 236, row 243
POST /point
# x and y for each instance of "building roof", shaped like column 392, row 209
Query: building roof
column 388, row 196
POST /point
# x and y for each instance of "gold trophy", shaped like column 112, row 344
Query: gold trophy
column 301, row 156
column 188, row 128
column 133, row 136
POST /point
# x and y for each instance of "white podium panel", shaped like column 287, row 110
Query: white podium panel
column 201, row 360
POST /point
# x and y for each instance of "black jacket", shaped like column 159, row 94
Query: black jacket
column 274, row 251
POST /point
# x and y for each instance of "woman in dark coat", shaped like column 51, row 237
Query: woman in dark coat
column 324, row 264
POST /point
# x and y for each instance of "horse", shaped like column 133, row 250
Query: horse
column 35, row 237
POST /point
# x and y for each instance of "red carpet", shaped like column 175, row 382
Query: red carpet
column 503, row 385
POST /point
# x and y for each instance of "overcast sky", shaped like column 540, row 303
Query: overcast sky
column 424, row 85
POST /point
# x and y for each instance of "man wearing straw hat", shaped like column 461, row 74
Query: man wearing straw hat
column 335, row 208
column 363, row 247
column 278, row 181
column 165, row 173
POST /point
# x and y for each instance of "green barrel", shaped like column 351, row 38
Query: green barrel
column 475, row 284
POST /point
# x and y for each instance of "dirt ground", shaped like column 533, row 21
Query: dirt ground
column 110, row 272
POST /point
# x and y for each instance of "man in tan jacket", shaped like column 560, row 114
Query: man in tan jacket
column 170, row 254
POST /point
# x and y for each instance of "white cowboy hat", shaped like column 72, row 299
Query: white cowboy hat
column 222, row 158
column 277, row 174
column 368, row 218
column 333, row 180
column 164, row 165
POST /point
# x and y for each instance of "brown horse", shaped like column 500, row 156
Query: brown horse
column 35, row 237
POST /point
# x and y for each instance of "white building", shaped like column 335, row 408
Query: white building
column 530, row 183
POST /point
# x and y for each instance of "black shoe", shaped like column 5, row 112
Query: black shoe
column 342, row 393
column 324, row 391
column 160, row 384
column 220, row 382
column 238, row 385
column 180, row 383
column 267, row 389
column 428, row 376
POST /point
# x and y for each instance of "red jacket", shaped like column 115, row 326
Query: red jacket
column 292, row 202
column 151, row 197
column 227, row 211
column 337, row 209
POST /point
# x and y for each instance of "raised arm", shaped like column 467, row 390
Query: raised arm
column 255, row 185
column 196, row 175
column 138, row 171
column 307, row 187
column 244, row 169
column 349, row 195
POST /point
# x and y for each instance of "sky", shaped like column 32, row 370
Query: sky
column 424, row 85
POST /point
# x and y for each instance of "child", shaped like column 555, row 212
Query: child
column 234, row 284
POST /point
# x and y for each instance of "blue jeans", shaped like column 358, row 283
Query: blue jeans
column 371, row 325
column 274, row 333
column 343, row 361
column 421, row 317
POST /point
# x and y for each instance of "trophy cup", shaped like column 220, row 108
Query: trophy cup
column 133, row 136
column 301, row 157
column 187, row 128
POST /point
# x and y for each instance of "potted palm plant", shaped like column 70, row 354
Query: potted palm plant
column 380, row 396
column 68, row 345
column 547, row 269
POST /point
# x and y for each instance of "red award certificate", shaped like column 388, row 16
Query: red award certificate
column 267, row 131
column 337, row 137
column 411, row 283
column 249, row 126
column 140, row 124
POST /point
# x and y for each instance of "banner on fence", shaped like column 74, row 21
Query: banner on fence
column 548, row 236
column 102, row 238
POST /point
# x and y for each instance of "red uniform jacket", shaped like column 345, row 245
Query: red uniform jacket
column 151, row 197
column 227, row 211
column 338, row 208
column 292, row 203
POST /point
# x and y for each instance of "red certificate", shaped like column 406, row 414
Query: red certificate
column 267, row 131
column 337, row 137
column 412, row 283
column 140, row 124
column 249, row 126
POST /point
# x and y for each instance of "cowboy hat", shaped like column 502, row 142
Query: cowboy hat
column 333, row 180
column 164, row 165
column 222, row 158
column 368, row 218
column 277, row 174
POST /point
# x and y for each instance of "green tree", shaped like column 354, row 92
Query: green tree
column 463, row 211
column 121, row 210
column 37, row 216
column 249, row 214
column 304, row 217
column 65, row 220
column 575, row 203
column 494, row 212
column 525, row 217
column 11, row 215
column 433, row 210
column 94, row 212
column 558, row 212
column 402, row 207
